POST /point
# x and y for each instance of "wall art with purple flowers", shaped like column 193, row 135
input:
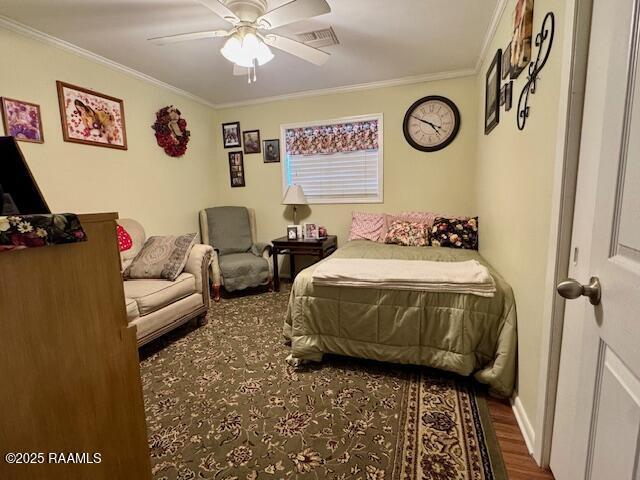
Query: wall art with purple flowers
column 22, row 120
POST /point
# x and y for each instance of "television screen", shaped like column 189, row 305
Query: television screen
column 19, row 192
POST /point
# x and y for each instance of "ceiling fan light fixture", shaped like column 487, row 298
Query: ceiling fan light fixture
column 265, row 54
column 245, row 51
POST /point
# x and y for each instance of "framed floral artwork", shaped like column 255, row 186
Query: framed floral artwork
column 22, row 120
column 91, row 118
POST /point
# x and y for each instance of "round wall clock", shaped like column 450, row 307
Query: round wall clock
column 431, row 123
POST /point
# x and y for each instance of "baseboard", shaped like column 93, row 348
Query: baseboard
column 523, row 422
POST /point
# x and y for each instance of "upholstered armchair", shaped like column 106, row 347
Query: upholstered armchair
column 239, row 260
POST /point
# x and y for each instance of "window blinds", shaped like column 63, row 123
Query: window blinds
column 335, row 162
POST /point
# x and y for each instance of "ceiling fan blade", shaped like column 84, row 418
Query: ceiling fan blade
column 239, row 71
column 183, row 37
column 310, row 54
column 292, row 12
column 220, row 9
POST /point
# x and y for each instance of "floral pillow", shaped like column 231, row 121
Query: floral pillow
column 366, row 226
column 408, row 234
column 455, row 233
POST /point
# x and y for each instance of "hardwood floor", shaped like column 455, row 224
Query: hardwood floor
column 520, row 465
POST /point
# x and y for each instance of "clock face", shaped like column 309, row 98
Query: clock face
column 431, row 123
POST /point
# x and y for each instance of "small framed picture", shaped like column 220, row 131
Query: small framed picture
column 310, row 231
column 231, row 135
column 22, row 120
column 506, row 61
column 503, row 94
column 508, row 96
column 236, row 169
column 271, row 151
column 292, row 232
column 251, row 139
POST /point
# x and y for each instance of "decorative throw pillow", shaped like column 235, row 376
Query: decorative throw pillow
column 420, row 217
column 366, row 226
column 124, row 239
column 161, row 257
column 455, row 233
column 386, row 225
column 408, row 234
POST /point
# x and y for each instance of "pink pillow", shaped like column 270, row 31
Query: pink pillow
column 426, row 218
column 388, row 220
column 366, row 226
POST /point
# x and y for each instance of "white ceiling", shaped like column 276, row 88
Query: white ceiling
column 379, row 40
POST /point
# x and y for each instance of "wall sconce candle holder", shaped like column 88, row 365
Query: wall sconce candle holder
column 544, row 42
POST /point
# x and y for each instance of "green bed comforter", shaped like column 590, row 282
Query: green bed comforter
column 460, row 333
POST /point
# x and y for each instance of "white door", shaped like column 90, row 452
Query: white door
column 597, row 419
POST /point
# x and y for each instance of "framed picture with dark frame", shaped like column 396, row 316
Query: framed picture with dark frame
column 506, row 62
column 492, row 94
column 508, row 96
column 236, row 169
column 231, row 135
column 271, row 151
column 251, row 139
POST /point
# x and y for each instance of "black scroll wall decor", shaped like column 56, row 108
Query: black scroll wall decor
column 544, row 42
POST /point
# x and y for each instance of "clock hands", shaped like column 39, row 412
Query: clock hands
column 436, row 128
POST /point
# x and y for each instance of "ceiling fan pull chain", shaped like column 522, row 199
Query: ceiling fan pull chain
column 255, row 67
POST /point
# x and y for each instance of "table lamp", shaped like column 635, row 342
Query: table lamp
column 294, row 196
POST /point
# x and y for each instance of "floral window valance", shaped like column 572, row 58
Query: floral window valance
column 328, row 139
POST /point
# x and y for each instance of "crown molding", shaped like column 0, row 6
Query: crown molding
column 17, row 27
column 430, row 77
column 491, row 31
column 27, row 31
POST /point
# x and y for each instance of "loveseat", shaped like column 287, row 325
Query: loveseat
column 157, row 306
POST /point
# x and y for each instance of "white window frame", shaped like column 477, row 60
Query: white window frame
column 359, row 118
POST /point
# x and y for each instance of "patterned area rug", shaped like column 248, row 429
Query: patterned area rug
column 222, row 403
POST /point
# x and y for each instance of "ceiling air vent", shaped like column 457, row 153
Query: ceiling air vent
column 319, row 38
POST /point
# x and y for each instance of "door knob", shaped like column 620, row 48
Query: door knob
column 571, row 289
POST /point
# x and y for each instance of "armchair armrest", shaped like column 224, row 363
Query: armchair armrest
column 198, row 265
column 261, row 249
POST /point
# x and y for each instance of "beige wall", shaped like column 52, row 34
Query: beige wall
column 506, row 178
column 514, row 182
column 142, row 182
column 413, row 180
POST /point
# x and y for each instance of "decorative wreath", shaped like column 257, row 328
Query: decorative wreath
column 171, row 131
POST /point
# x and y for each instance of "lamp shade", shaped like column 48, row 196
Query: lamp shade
column 294, row 196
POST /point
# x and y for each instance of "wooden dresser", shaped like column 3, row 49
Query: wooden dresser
column 69, row 372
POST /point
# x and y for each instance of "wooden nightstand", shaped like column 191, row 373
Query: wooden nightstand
column 319, row 249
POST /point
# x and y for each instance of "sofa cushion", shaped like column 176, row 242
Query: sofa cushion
column 152, row 294
column 243, row 270
column 132, row 308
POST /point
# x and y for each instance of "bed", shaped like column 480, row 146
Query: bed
column 460, row 333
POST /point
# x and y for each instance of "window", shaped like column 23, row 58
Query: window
column 335, row 161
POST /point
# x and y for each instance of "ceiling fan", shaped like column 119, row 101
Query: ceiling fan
column 249, row 40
